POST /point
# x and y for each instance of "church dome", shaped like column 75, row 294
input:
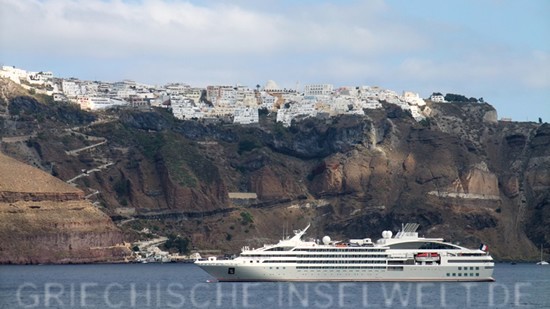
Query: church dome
column 271, row 85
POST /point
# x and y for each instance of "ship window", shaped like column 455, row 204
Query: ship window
column 477, row 274
column 454, row 274
column 422, row 245
column 471, row 274
column 459, row 274
column 459, row 268
column 279, row 249
column 231, row 270
column 477, row 267
column 448, row 274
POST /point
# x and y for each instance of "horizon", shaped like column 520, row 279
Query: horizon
column 469, row 47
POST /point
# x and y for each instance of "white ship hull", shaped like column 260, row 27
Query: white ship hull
column 292, row 273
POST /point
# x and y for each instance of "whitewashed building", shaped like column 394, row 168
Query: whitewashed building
column 13, row 73
column 318, row 89
column 71, row 88
column 39, row 77
column 437, row 97
column 413, row 98
column 267, row 100
column 193, row 94
column 246, row 115
column 98, row 103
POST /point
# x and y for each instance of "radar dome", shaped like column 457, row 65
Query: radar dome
column 326, row 240
column 386, row 234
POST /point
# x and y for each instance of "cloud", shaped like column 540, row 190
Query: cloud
column 337, row 41
column 118, row 28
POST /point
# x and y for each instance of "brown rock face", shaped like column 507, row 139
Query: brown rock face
column 460, row 174
column 44, row 220
column 267, row 185
column 481, row 182
column 477, row 183
column 274, row 185
column 199, row 198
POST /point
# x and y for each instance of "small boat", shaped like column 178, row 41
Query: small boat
column 541, row 261
column 427, row 257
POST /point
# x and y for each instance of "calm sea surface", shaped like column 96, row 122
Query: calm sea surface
column 187, row 286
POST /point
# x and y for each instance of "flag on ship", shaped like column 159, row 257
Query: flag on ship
column 483, row 247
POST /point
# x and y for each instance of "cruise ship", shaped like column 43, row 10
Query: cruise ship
column 401, row 257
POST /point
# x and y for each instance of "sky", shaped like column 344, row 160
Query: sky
column 495, row 49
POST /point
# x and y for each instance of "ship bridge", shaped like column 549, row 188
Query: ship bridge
column 406, row 234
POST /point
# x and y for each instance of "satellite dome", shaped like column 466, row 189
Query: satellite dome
column 326, row 240
column 271, row 85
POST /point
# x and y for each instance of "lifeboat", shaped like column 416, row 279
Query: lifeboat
column 427, row 257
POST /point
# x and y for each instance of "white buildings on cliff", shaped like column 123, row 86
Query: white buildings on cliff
column 20, row 76
column 13, row 73
column 98, row 103
column 318, row 89
column 437, row 97
column 246, row 115
column 238, row 103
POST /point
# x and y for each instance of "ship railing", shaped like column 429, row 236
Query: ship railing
column 215, row 258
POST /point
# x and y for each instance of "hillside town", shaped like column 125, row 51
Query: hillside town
column 235, row 104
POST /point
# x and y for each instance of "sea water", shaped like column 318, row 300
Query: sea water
column 187, row 286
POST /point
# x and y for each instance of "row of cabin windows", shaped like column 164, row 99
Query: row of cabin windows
column 340, row 267
column 346, row 249
column 317, row 255
column 326, row 262
column 462, row 274
column 466, row 268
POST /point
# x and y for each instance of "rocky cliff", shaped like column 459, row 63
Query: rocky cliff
column 460, row 173
column 44, row 220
